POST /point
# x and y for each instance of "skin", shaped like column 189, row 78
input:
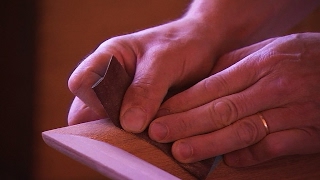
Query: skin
column 218, row 115
column 139, row 52
column 187, row 52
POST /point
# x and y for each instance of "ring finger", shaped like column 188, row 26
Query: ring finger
column 214, row 115
column 243, row 133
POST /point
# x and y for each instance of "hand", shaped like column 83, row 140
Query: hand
column 177, row 54
column 159, row 59
column 278, row 78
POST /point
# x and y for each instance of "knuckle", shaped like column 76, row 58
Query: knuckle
column 280, row 87
column 247, row 132
column 118, row 46
column 222, row 113
column 283, row 82
column 141, row 89
column 114, row 41
column 207, row 85
column 216, row 85
column 74, row 84
column 77, row 81
column 184, row 127
column 144, row 88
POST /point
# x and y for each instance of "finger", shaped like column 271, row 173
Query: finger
column 288, row 142
column 222, row 84
column 278, row 119
column 144, row 96
column 291, row 116
column 248, row 131
column 219, row 113
column 254, row 97
column 231, row 58
column 94, row 67
column 241, row 134
column 85, row 76
column 79, row 113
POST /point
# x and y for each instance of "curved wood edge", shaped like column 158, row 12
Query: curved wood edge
column 109, row 160
column 104, row 132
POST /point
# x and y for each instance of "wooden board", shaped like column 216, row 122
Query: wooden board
column 111, row 144
column 121, row 155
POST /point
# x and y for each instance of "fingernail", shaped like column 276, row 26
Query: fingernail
column 163, row 112
column 185, row 150
column 158, row 131
column 134, row 120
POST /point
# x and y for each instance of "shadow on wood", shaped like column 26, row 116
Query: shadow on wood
column 122, row 155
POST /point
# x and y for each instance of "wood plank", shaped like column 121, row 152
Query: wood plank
column 106, row 135
column 105, row 158
column 121, row 155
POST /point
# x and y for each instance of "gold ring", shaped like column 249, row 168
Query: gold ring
column 264, row 122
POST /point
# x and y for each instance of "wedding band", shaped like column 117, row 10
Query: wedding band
column 264, row 122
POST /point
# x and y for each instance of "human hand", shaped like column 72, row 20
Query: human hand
column 179, row 53
column 159, row 59
column 278, row 78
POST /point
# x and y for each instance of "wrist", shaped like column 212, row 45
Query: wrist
column 217, row 34
column 223, row 29
column 227, row 23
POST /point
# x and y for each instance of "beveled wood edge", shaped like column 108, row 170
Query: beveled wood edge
column 109, row 160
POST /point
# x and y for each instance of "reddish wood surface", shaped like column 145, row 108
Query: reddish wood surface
column 105, row 134
column 105, row 131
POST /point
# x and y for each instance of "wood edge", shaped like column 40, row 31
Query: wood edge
column 80, row 148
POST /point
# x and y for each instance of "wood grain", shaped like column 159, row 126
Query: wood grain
column 112, row 141
column 104, row 131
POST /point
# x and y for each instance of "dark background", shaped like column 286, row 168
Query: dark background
column 17, row 62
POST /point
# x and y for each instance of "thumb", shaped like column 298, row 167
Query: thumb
column 142, row 99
